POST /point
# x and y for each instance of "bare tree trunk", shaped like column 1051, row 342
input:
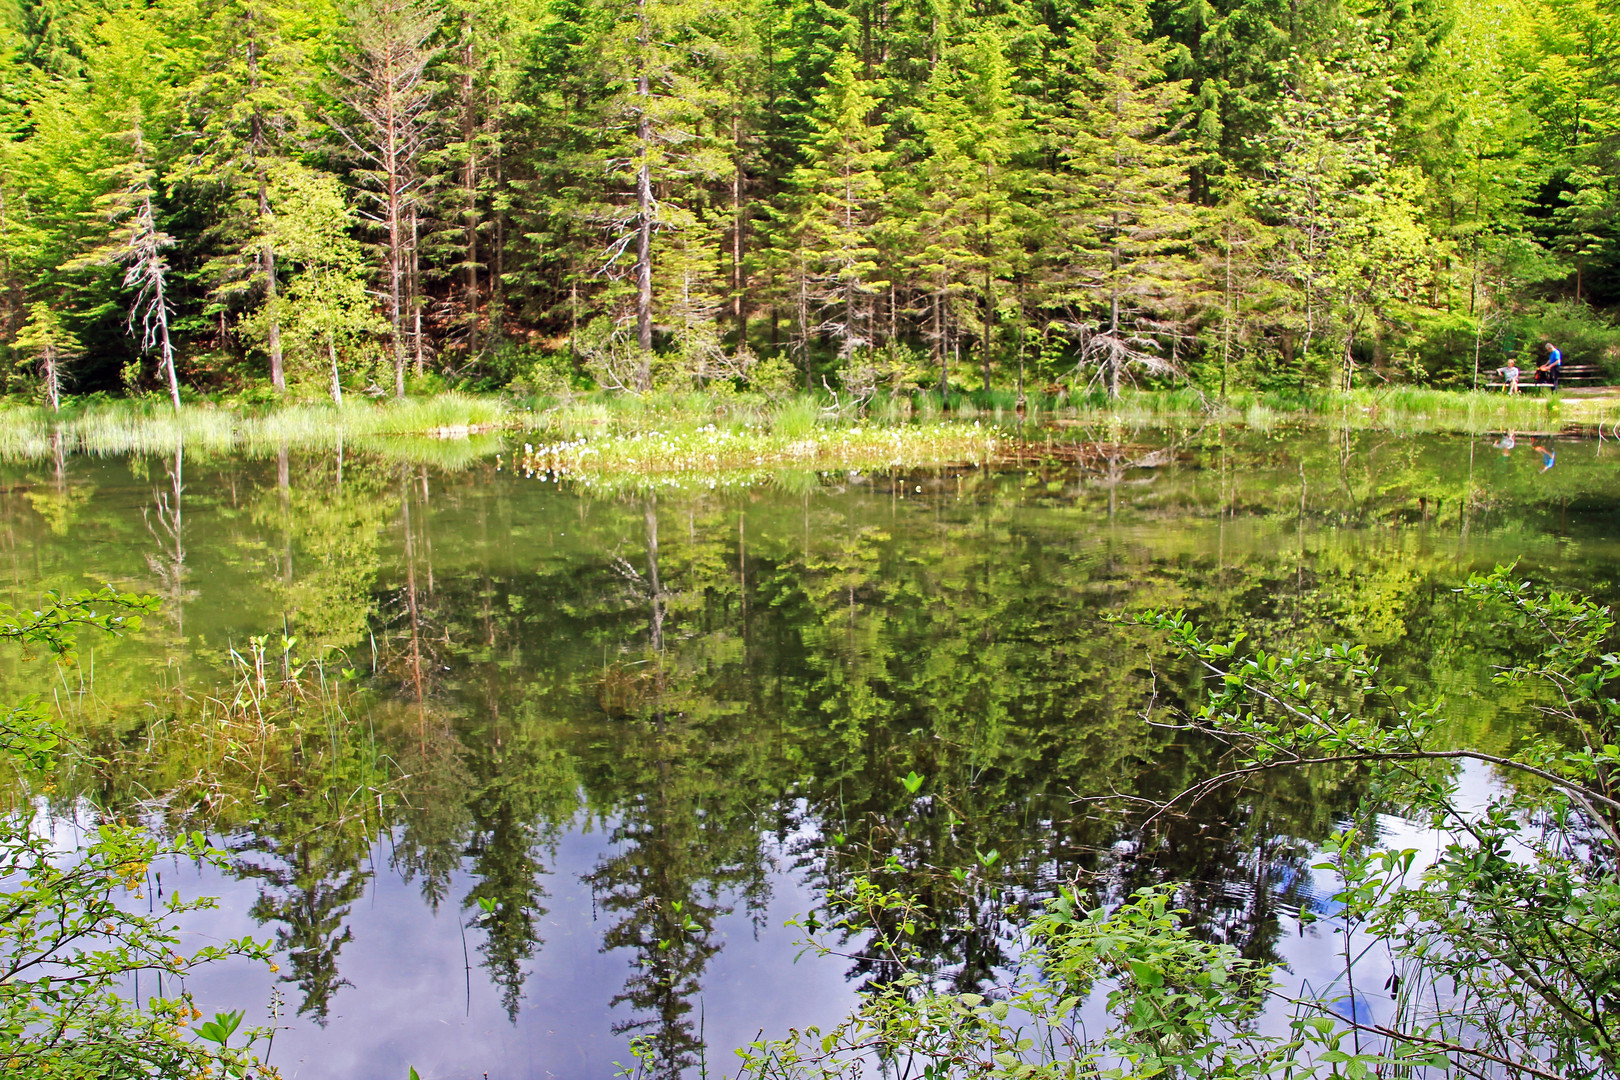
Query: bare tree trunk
column 739, row 300
column 989, row 318
column 497, row 289
column 469, row 180
column 414, row 285
column 267, row 254
column 1115, row 348
column 337, row 379
column 52, row 391
column 1113, row 352
column 644, row 202
column 802, row 310
column 1226, row 321
column 396, row 272
column 272, row 329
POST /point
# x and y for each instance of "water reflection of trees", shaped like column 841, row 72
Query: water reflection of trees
column 716, row 678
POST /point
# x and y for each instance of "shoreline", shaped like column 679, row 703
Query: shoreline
column 727, row 432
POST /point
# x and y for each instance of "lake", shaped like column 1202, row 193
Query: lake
column 512, row 772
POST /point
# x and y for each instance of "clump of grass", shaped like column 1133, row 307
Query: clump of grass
column 796, row 418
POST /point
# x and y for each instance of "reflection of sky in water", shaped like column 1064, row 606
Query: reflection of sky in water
column 851, row 586
column 409, row 1003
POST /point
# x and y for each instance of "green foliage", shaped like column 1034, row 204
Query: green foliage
column 1515, row 926
column 664, row 194
column 69, row 941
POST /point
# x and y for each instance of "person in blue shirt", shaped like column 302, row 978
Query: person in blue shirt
column 1551, row 367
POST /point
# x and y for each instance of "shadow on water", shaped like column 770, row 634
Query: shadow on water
column 512, row 773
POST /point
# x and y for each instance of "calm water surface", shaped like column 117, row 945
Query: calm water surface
column 595, row 749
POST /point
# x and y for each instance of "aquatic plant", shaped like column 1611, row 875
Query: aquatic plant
column 713, row 455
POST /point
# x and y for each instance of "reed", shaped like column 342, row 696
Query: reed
column 146, row 426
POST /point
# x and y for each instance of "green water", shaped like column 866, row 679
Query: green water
column 594, row 750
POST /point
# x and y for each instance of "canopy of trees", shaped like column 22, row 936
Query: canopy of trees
column 637, row 193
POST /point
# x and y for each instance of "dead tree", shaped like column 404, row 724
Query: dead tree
column 392, row 123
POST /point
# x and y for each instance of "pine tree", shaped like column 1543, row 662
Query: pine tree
column 841, row 202
column 391, row 125
column 965, row 199
column 250, row 105
column 51, row 345
column 665, row 60
column 1123, row 194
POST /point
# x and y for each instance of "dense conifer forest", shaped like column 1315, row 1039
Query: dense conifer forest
column 207, row 195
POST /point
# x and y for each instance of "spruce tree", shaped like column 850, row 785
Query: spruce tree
column 1122, row 195
column 841, row 203
column 50, row 345
column 965, row 196
column 250, row 104
column 665, row 57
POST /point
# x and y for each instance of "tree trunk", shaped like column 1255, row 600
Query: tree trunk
column 267, row 254
column 48, row 356
column 337, row 380
column 469, row 181
column 1113, row 352
column 1226, row 321
column 644, row 201
column 739, row 299
column 414, row 285
column 272, row 329
column 396, row 282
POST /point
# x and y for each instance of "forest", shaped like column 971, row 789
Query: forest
column 305, row 196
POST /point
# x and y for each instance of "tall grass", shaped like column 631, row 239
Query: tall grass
column 712, row 456
column 1399, row 409
column 146, row 426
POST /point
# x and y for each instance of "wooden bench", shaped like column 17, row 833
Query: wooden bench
column 1572, row 375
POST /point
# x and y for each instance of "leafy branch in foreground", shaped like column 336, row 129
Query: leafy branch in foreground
column 1502, row 954
column 1175, row 1006
column 1506, row 948
column 71, row 944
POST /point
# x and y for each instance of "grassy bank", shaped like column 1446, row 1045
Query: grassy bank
column 152, row 426
column 1397, row 409
column 1401, row 409
column 741, row 435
